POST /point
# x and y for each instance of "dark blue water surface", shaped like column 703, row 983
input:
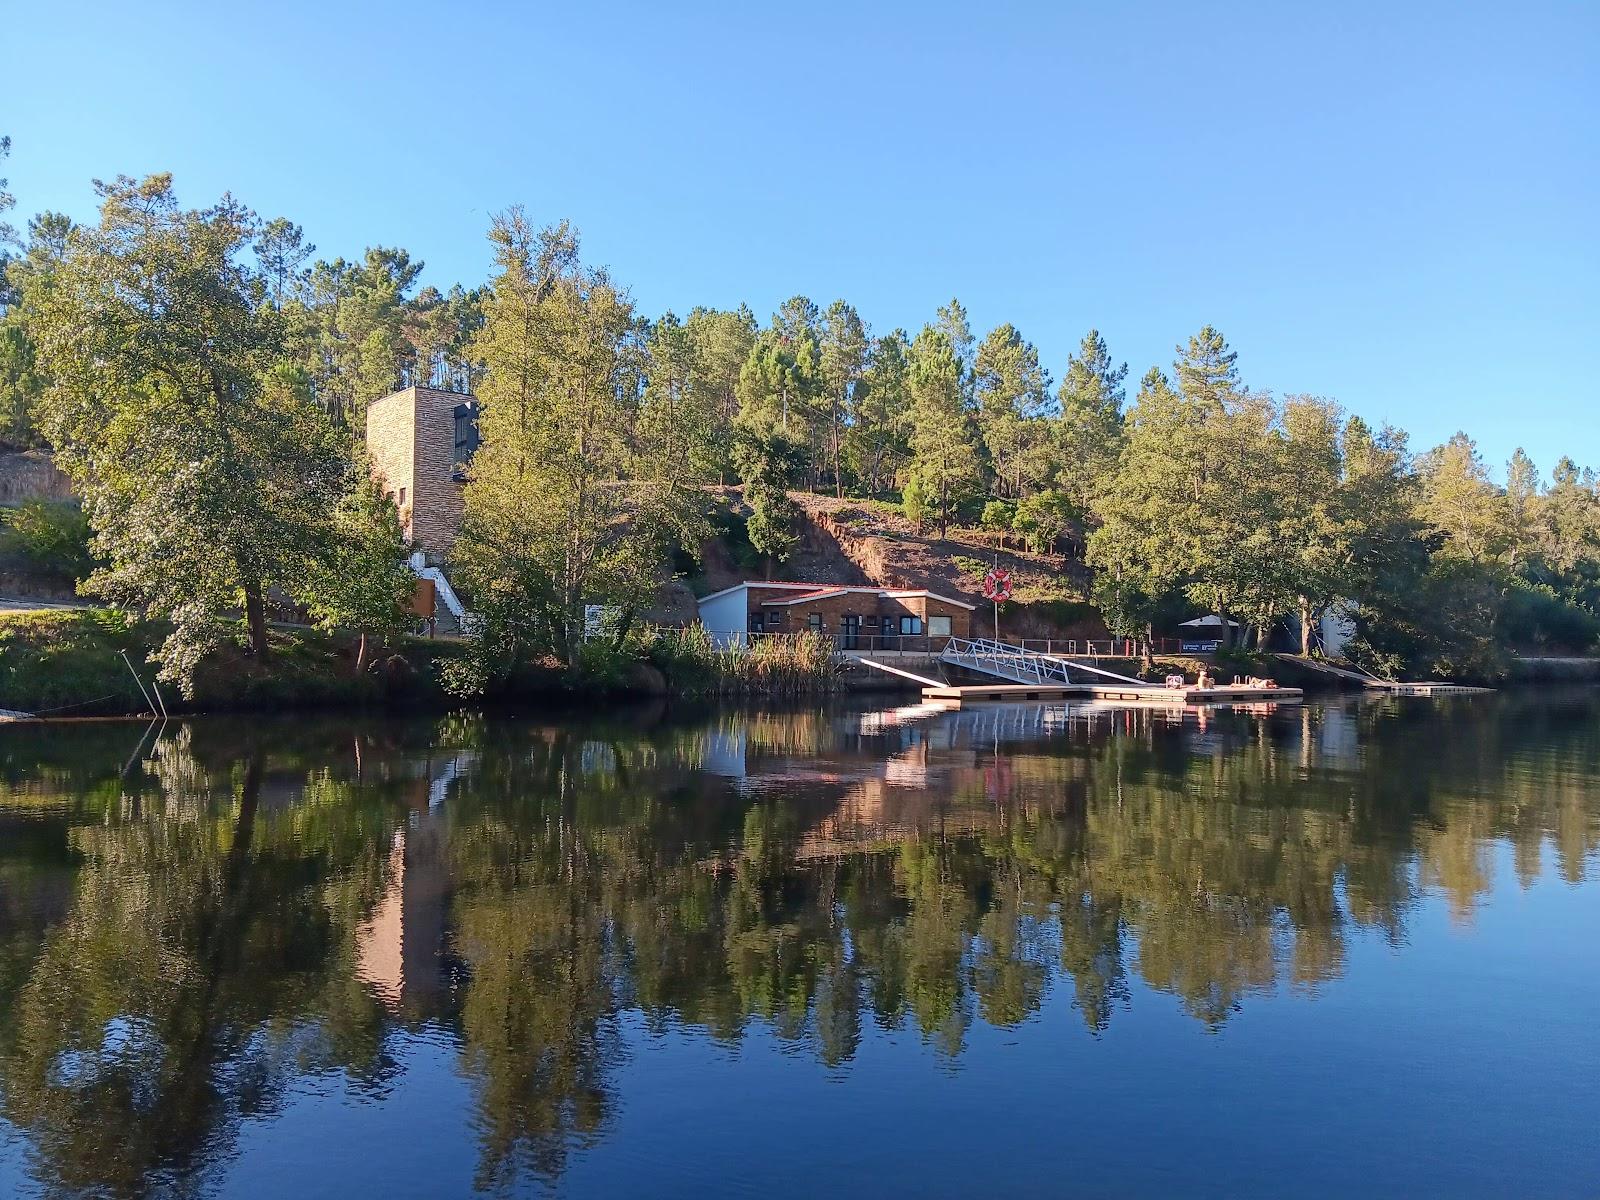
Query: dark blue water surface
column 1346, row 949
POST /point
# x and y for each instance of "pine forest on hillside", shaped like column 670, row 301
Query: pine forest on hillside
column 202, row 375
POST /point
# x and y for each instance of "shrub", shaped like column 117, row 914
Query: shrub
column 1043, row 520
column 998, row 515
column 914, row 503
column 972, row 568
column 50, row 537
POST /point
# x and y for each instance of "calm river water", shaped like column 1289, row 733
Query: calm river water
column 1351, row 948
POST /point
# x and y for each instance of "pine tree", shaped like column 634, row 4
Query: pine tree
column 942, row 451
column 1090, row 427
column 842, row 362
column 1012, row 393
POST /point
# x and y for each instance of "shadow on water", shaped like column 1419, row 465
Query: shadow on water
column 194, row 926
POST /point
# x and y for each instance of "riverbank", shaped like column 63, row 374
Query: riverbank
column 76, row 662
column 71, row 663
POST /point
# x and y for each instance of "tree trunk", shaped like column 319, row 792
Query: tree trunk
column 255, row 618
column 838, row 479
column 361, row 652
column 1305, row 626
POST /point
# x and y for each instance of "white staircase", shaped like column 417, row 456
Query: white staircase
column 443, row 592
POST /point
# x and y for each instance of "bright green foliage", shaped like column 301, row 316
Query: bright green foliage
column 361, row 582
column 951, row 320
column 719, row 343
column 24, row 281
column 914, row 502
column 942, row 451
column 842, row 362
column 206, row 473
column 878, row 439
column 1012, row 397
column 1044, row 518
column 1522, row 500
column 998, row 515
column 1089, row 435
column 1461, row 503
column 50, row 536
column 680, row 414
column 575, row 497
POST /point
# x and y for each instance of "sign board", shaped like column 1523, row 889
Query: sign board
column 1205, row 647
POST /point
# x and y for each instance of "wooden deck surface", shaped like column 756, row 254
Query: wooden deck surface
column 1125, row 693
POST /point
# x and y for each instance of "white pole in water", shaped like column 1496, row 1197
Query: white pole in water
column 138, row 682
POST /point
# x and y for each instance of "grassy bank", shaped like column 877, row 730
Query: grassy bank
column 70, row 663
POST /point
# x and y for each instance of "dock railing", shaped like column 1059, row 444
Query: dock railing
column 932, row 645
column 1006, row 660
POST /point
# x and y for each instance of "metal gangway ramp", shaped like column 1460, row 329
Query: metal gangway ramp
column 1017, row 665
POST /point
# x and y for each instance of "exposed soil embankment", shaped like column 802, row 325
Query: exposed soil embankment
column 869, row 542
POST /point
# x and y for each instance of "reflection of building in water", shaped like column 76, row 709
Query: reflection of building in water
column 400, row 948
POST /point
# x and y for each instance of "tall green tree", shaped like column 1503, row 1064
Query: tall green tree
column 360, row 581
column 680, row 414
column 1012, row 393
column 24, row 282
column 842, row 362
column 1089, row 433
column 942, row 450
column 573, row 500
column 208, row 476
column 878, row 439
column 720, row 342
column 1191, row 504
column 1462, row 503
column 1522, row 502
column 8, row 232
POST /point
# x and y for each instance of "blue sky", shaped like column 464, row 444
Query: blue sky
column 1393, row 205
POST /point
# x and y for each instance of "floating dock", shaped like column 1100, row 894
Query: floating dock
column 1374, row 683
column 1024, row 675
column 1171, row 697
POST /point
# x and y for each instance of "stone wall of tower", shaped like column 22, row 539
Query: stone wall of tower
column 411, row 438
column 436, row 504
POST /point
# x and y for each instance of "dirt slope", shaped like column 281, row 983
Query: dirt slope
column 864, row 542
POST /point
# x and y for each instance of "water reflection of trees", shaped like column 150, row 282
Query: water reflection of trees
column 187, row 940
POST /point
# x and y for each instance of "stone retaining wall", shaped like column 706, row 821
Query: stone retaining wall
column 31, row 475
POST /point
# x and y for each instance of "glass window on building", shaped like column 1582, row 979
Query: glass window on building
column 466, row 422
column 939, row 626
column 909, row 625
column 814, row 622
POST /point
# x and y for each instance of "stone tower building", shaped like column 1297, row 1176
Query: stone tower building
column 420, row 440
